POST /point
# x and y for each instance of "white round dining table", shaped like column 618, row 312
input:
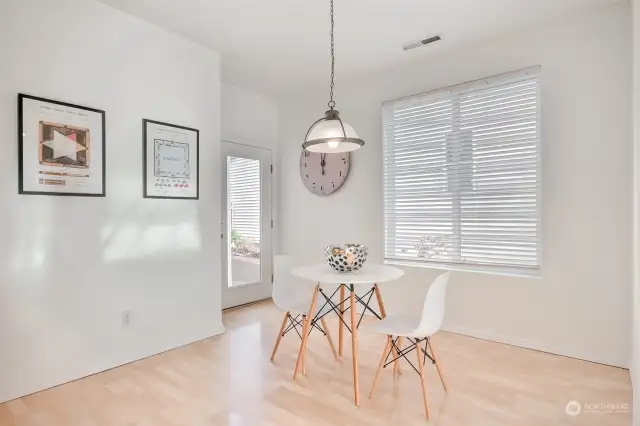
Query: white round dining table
column 322, row 273
column 368, row 274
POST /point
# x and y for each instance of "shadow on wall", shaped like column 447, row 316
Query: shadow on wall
column 148, row 231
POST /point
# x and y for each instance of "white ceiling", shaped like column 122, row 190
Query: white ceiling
column 277, row 45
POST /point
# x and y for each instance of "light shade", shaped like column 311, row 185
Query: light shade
column 331, row 135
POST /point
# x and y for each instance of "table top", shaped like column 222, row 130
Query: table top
column 370, row 273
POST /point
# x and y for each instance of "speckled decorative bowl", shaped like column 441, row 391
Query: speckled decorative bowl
column 346, row 257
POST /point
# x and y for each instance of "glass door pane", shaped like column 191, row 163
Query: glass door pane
column 244, row 188
column 246, row 224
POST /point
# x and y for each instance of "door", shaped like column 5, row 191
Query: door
column 246, row 224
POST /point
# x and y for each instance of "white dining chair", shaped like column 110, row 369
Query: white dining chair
column 293, row 296
column 416, row 329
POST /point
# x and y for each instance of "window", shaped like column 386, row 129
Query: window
column 462, row 175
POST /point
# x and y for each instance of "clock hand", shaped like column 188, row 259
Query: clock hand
column 322, row 161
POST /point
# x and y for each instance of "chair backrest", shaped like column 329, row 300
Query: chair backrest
column 288, row 290
column 282, row 265
column 434, row 304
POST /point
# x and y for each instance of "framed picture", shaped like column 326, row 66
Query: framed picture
column 170, row 156
column 61, row 148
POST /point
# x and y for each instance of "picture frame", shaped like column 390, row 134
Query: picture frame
column 61, row 148
column 170, row 161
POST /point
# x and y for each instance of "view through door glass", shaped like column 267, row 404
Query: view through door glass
column 244, row 220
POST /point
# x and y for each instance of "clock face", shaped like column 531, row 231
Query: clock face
column 323, row 174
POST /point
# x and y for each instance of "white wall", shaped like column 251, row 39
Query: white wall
column 249, row 118
column 580, row 307
column 69, row 266
column 635, row 337
column 252, row 119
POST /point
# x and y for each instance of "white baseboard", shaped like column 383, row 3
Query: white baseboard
column 527, row 344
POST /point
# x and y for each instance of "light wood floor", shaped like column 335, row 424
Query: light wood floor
column 228, row 380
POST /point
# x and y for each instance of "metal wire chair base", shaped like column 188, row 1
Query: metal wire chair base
column 403, row 352
column 295, row 323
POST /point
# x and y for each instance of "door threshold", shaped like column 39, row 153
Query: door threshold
column 244, row 305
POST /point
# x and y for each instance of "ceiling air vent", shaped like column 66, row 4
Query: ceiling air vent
column 415, row 44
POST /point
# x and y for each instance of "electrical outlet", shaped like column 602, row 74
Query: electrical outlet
column 126, row 318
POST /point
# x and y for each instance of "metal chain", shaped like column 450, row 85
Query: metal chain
column 332, row 103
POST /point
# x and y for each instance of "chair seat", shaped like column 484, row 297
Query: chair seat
column 395, row 325
column 299, row 307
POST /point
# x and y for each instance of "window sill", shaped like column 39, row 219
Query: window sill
column 510, row 272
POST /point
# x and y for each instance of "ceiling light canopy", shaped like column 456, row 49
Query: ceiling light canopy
column 330, row 134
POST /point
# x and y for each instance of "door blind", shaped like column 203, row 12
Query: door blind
column 244, row 194
column 462, row 174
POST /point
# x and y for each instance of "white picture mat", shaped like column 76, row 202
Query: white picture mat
column 163, row 186
column 34, row 111
column 171, row 159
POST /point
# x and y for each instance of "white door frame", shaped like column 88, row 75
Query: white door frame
column 252, row 292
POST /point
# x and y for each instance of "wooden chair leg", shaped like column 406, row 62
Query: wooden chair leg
column 383, row 314
column 354, row 345
column 326, row 331
column 306, row 324
column 396, row 366
column 284, row 324
column 341, row 323
column 433, row 353
column 384, row 354
column 396, row 361
column 421, row 370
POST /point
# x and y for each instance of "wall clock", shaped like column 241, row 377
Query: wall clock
column 323, row 174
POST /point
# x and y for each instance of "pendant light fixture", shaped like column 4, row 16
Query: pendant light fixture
column 330, row 134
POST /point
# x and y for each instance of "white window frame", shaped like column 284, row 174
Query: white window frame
column 446, row 94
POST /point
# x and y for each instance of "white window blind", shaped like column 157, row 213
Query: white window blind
column 244, row 191
column 462, row 175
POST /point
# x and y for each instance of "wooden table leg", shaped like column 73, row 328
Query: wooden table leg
column 306, row 325
column 304, row 362
column 383, row 314
column 341, row 323
column 354, row 344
